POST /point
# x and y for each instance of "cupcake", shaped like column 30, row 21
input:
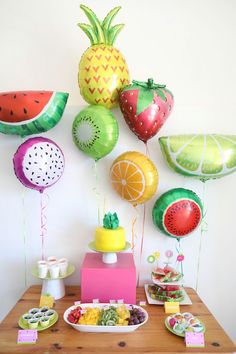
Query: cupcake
column 33, row 311
column 187, row 316
column 26, row 317
column 178, row 328
column 44, row 309
column 51, row 314
column 33, row 323
column 44, row 321
column 198, row 327
column 38, row 315
column 194, row 321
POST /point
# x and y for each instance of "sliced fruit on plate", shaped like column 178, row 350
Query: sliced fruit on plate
column 166, row 274
column 165, row 293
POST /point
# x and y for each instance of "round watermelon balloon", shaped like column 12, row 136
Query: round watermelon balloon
column 177, row 212
column 30, row 112
column 38, row 163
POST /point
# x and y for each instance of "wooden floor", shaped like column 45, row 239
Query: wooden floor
column 153, row 337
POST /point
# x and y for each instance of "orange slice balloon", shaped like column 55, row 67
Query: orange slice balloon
column 134, row 177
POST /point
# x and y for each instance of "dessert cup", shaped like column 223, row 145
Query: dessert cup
column 63, row 265
column 50, row 314
column 51, row 258
column 54, row 271
column 44, row 321
column 44, row 309
column 34, row 310
column 38, row 315
column 26, row 317
column 33, row 323
column 42, row 270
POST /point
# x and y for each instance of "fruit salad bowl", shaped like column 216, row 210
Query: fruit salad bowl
column 105, row 323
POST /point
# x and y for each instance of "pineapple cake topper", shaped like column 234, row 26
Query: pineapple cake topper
column 110, row 221
column 103, row 71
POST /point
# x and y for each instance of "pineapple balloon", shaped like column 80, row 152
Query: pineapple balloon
column 103, row 71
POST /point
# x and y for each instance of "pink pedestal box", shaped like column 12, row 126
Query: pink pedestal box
column 107, row 282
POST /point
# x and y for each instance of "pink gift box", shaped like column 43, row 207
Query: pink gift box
column 108, row 281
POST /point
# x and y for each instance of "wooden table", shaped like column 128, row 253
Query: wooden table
column 153, row 337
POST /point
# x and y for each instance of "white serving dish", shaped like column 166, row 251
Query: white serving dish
column 104, row 329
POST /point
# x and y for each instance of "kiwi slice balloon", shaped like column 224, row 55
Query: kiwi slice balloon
column 95, row 131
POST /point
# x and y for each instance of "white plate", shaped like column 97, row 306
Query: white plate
column 94, row 328
column 185, row 301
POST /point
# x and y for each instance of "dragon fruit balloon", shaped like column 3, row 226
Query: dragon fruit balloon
column 145, row 107
column 38, row 163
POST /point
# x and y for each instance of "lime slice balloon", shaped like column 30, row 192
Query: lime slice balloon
column 204, row 156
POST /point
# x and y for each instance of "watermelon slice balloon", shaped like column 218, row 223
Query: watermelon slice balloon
column 30, row 112
column 203, row 156
column 38, row 163
column 178, row 212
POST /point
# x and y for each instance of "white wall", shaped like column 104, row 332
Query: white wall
column 187, row 44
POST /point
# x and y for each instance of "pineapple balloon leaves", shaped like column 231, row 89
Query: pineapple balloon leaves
column 103, row 72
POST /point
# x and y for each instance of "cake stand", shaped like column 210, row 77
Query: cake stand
column 109, row 257
column 54, row 286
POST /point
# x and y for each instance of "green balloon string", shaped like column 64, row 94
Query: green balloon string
column 178, row 249
column 204, row 228
column 97, row 194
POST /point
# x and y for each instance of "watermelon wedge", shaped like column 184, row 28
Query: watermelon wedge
column 30, row 112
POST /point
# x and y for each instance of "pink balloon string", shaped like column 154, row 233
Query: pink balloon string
column 142, row 242
column 24, row 238
column 43, row 221
column 178, row 249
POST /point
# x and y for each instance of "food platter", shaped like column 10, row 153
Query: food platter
column 39, row 328
column 201, row 328
column 100, row 328
column 186, row 299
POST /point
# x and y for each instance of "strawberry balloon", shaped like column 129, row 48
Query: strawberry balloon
column 146, row 106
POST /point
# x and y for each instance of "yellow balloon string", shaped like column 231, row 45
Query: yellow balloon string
column 142, row 242
column 24, row 238
column 203, row 229
column 134, row 235
column 97, row 194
